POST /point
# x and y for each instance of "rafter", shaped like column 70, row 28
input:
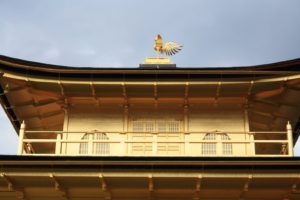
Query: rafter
column 93, row 90
column 155, row 93
column 124, row 93
column 10, row 185
column 293, row 88
column 34, row 103
column 269, row 93
column 62, row 89
column 246, row 186
column 295, row 184
column 263, row 101
column 272, row 115
column 186, row 93
column 198, row 183
column 45, row 93
column 294, row 188
column 150, row 183
column 58, row 186
column 8, row 89
column 218, row 91
column 104, row 187
column 103, row 184
column 198, row 187
column 43, row 116
column 259, row 124
column 155, row 90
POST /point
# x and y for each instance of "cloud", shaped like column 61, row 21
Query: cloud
column 120, row 33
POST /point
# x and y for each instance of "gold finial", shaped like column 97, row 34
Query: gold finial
column 169, row 48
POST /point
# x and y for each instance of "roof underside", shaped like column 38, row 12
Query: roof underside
column 122, row 178
column 38, row 92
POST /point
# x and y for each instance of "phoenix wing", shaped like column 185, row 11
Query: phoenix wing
column 171, row 48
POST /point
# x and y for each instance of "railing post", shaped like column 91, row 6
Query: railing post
column 58, row 144
column 187, row 144
column 252, row 144
column 90, row 143
column 124, row 135
column 154, row 143
column 21, row 137
column 219, row 145
column 123, row 146
column 290, row 138
column 186, row 131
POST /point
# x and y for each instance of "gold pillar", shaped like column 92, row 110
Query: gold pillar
column 290, row 138
column 123, row 144
column 58, row 144
column 251, row 150
column 219, row 145
column 65, row 130
column 90, row 143
column 21, row 137
column 186, row 130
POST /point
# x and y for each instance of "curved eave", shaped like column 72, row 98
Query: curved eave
column 281, row 67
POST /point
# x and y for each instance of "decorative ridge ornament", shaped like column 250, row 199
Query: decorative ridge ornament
column 169, row 49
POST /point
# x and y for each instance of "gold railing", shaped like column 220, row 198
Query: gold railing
column 122, row 145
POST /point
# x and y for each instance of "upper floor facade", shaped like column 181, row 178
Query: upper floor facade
column 250, row 111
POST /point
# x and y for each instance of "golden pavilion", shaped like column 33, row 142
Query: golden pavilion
column 153, row 132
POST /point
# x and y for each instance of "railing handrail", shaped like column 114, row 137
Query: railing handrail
column 156, row 132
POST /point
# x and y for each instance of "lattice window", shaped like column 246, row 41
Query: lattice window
column 98, row 147
column 209, row 148
column 83, row 147
column 101, row 148
column 227, row 147
column 142, row 131
column 166, row 130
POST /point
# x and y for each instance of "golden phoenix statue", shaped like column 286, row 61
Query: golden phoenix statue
column 169, row 48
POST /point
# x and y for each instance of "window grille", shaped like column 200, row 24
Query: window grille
column 83, row 147
column 142, row 131
column 227, row 147
column 165, row 129
column 98, row 147
column 101, row 148
column 211, row 147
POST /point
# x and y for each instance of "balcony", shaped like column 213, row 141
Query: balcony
column 205, row 144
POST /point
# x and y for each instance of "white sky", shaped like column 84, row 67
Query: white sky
column 119, row 33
